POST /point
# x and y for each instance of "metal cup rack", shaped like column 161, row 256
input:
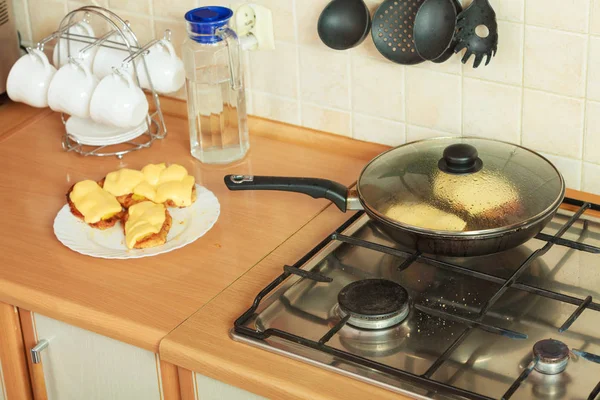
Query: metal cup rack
column 129, row 43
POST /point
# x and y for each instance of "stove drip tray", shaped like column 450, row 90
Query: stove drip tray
column 374, row 303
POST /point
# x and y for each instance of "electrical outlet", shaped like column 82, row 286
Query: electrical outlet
column 253, row 24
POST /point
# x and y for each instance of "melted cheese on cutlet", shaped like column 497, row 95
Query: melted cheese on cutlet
column 180, row 192
column 152, row 173
column 145, row 218
column 123, row 181
column 162, row 183
column 93, row 202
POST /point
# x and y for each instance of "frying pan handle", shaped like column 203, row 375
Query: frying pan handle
column 314, row 187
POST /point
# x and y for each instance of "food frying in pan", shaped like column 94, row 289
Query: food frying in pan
column 425, row 216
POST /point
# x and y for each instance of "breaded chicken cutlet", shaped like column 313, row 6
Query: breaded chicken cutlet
column 105, row 222
column 138, row 230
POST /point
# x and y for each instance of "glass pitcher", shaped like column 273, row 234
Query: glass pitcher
column 216, row 100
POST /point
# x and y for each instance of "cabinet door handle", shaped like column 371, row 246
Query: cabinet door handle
column 36, row 351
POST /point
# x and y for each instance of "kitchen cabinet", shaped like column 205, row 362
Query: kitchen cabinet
column 79, row 364
column 14, row 376
column 212, row 389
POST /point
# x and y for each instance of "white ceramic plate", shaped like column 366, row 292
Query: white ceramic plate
column 188, row 225
column 89, row 132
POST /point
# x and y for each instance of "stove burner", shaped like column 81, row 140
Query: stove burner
column 374, row 303
column 553, row 356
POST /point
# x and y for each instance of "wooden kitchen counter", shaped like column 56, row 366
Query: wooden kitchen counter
column 140, row 301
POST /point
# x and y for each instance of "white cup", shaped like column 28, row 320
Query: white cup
column 71, row 89
column 65, row 47
column 119, row 101
column 29, row 79
column 106, row 58
column 165, row 68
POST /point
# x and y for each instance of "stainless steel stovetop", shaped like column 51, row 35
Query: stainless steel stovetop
column 472, row 324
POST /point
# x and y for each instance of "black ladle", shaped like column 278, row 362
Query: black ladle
column 344, row 24
column 434, row 28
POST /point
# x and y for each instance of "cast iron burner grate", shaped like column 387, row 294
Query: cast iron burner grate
column 425, row 379
column 374, row 303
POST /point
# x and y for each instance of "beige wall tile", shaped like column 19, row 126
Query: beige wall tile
column 558, row 14
column 555, row 61
column 590, row 182
column 174, row 9
column 378, row 130
column 414, row 132
column 178, row 33
column 491, row 110
column 284, row 24
column 73, row 4
column 367, row 48
column 378, row 88
column 224, row 3
column 507, row 65
column 569, row 168
column 141, row 25
column 137, row 6
column 593, row 83
column 433, row 100
column 21, row 13
column 327, row 120
column 45, row 17
column 276, row 71
column 553, row 124
column 591, row 151
column 276, row 108
column 452, row 66
column 307, row 15
column 359, row 91
column 595, row 17
column 99, row 25
column 324, row 77
column 510, row 10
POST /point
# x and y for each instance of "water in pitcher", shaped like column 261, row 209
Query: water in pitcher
column 219, row 129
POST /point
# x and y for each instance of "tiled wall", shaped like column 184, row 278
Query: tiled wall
column 542, row 90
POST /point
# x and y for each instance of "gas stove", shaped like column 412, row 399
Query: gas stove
column 521, row 324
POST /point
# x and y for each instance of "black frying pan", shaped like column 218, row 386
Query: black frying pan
column 455, row 244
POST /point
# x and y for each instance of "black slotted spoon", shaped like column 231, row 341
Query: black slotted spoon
column 392, row 31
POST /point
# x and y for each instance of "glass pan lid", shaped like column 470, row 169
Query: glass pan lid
column 460, row 185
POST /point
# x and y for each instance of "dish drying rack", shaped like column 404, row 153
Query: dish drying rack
column 155, row 121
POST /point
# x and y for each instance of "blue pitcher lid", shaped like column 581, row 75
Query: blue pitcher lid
column 206, row 20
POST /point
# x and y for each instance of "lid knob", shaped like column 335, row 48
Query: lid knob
column 459, row 159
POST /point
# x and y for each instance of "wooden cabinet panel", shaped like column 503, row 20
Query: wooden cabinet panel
column 212, row 389
column 14, row 378
column 2, row 394
column 79, row 364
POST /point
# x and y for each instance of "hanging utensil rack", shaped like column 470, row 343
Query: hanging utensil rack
column 117, row 26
